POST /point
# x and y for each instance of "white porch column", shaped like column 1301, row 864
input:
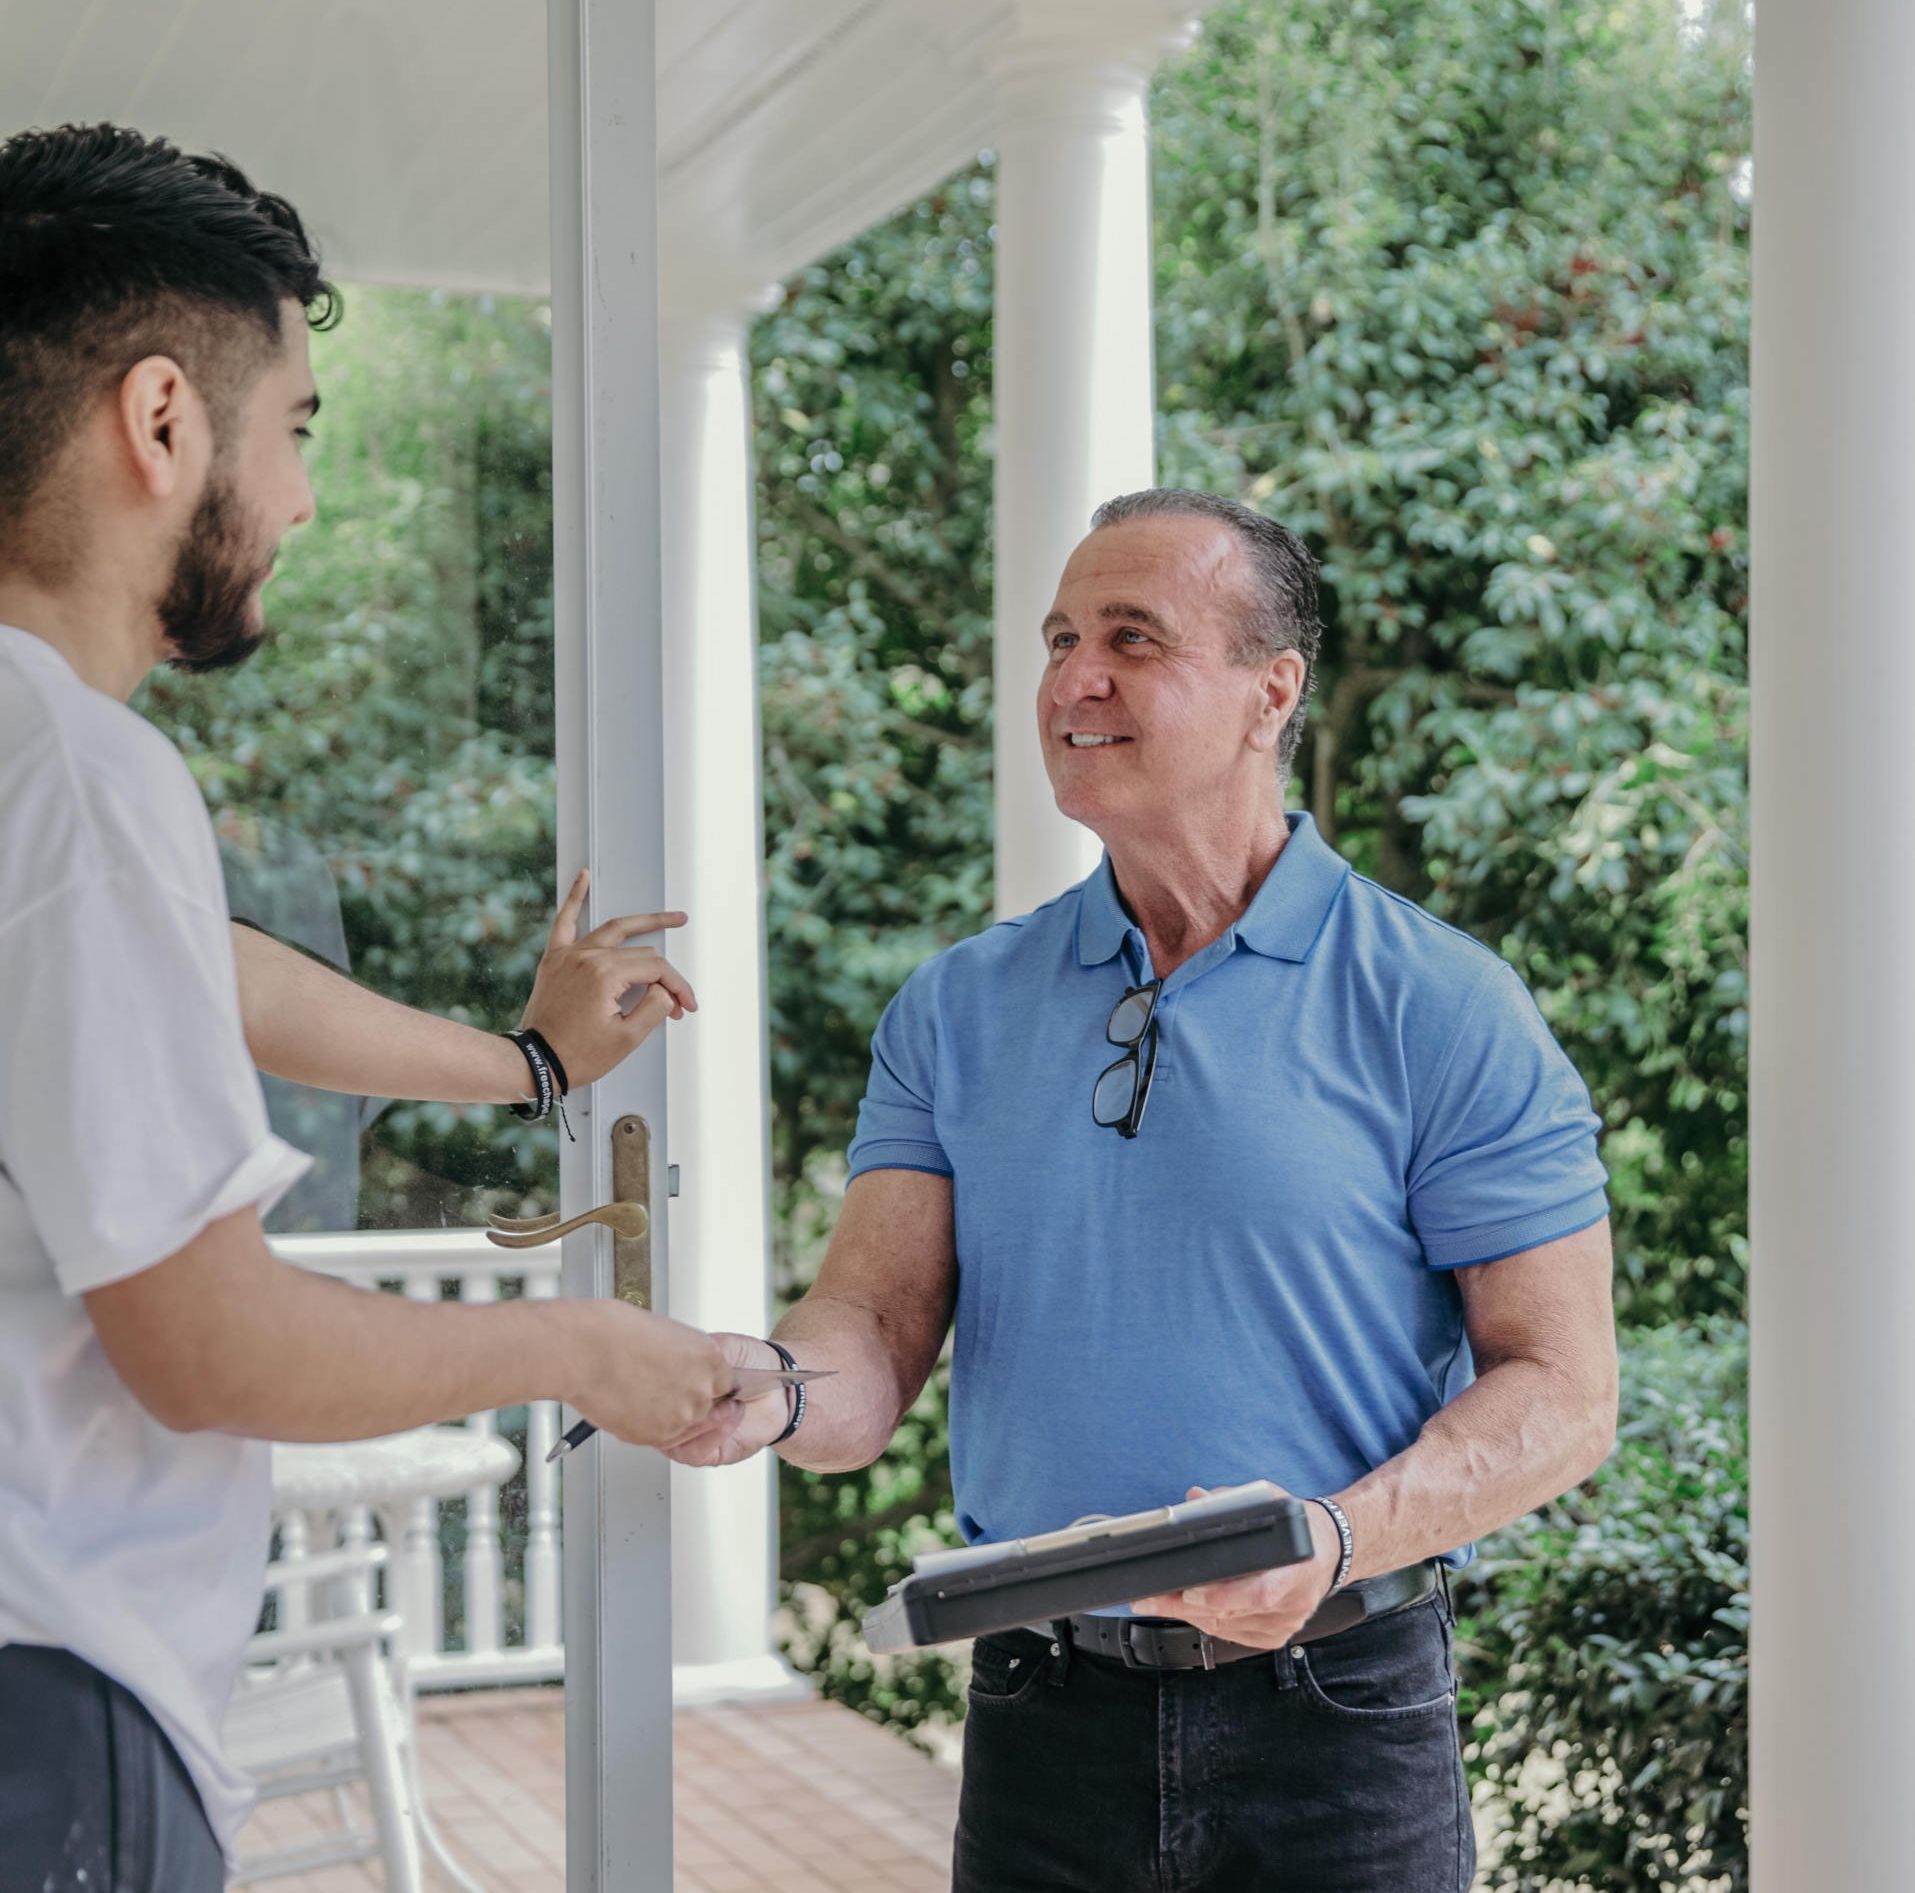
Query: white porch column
column 1075, row 394
column 724, row 1533
column 1833, row 1093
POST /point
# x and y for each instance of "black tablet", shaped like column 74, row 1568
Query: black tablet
column 1095, row 1563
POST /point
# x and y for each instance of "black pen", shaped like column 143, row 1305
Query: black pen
column 574, row 1436
column 751, row 1383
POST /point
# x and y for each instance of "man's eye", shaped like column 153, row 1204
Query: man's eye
column 302, row 434
column 1063, row 640
column 1138, row 635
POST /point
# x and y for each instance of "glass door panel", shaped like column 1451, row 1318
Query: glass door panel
column 381, row 775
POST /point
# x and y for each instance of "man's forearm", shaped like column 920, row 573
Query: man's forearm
column 312, row 1025
column 849, row 1419
column 224, row 1337
column 338, row 1362
column 1520, row 1436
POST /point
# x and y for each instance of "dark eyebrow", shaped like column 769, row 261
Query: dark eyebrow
column 1135, row 614
column 308, row 407
column 1113, row 614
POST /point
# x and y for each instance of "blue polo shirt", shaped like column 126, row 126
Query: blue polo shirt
column 1351, row 1101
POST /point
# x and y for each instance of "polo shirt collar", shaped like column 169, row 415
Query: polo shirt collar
column 1282, row 921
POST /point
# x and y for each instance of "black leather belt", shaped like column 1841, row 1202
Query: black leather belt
column 1159, row 1643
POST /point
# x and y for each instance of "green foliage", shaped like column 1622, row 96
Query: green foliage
column 1604, row 1642
column 847, row 1539
column 872, row 398
column 381, row 775
column 1459, row 289
column 872, row 384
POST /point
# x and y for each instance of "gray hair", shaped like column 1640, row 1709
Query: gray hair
column 1280, row 610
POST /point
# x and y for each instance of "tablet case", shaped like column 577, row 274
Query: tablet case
column 1096, row 1563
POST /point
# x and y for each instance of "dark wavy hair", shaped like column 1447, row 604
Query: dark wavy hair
column 113, row 247
column 1280, row 605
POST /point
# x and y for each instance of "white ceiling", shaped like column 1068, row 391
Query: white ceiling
column 412, row 133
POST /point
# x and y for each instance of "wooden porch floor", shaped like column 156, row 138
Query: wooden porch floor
column 800, row 1797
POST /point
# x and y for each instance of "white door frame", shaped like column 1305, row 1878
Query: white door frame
column 617, row 1499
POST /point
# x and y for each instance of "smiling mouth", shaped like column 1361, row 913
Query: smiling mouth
column 1078, row 740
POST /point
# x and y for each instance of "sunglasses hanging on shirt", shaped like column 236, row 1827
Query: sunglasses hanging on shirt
column 1123, row 1088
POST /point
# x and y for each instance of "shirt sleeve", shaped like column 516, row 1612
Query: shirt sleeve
column 897, row 1128
column 131, row 1115
column 1505, row 1156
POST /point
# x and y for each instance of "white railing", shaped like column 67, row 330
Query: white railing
column 492, row 1648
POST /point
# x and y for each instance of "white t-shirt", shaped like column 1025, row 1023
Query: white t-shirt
column 130, row 1117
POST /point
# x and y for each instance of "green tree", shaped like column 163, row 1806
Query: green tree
column 872, row 383
column 1459, row 290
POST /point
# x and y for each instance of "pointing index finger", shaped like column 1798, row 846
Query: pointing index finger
column 565, row 927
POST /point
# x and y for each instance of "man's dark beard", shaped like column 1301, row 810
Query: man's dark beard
column 206, row 613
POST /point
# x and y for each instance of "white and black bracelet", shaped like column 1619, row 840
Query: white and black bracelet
column 545, row 1084
column 797, row 1393
column 1345, row 1538
column 550, row 1085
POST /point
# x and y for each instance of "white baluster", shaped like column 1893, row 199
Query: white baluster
column 294, row 1600
column 417, row 1569
column 484, row 1560
column 542, row 1584
column 355, row 1533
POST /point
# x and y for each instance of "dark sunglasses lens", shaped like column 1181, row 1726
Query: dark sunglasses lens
column 1128, row 1021
column 1116, row 1092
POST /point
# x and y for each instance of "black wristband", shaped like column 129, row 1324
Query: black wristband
column 546, row 1052
column 1346, row 1543
column 544, row 1083
column 797, row 1392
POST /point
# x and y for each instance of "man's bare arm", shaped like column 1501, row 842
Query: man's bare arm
column 1539, row 1418
column 316, row 1027
column 308, row 1023
column 224, row 1337
column 877, row 1315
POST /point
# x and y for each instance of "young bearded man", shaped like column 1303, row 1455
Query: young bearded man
column 154, row 391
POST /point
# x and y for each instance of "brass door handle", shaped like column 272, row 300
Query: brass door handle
column 627, row 1221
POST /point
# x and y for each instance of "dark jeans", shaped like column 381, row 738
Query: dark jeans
column 93, row 1797
column 1335, row 1769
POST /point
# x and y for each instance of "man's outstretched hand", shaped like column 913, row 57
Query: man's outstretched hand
column 737, row 1428
column 576, row 997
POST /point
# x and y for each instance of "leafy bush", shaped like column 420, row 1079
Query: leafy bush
column 1604, row 1642
column 846, row 1538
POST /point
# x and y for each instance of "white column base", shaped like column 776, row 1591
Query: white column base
column 765, row 1678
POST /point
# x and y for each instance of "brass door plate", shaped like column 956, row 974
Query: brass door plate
column 632, row 1183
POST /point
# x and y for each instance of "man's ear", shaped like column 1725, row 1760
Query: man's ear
column 1282, row 685
column 162, row 426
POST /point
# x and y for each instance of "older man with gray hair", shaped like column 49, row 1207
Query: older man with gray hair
column 1230, row 1165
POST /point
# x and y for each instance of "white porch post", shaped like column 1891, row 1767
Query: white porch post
column 724, row 1540
column 1075, row 395
column 1833, row 1093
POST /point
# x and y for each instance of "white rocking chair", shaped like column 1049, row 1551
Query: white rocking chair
column 318, row 1706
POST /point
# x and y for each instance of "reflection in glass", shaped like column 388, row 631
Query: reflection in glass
column 381, row 775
